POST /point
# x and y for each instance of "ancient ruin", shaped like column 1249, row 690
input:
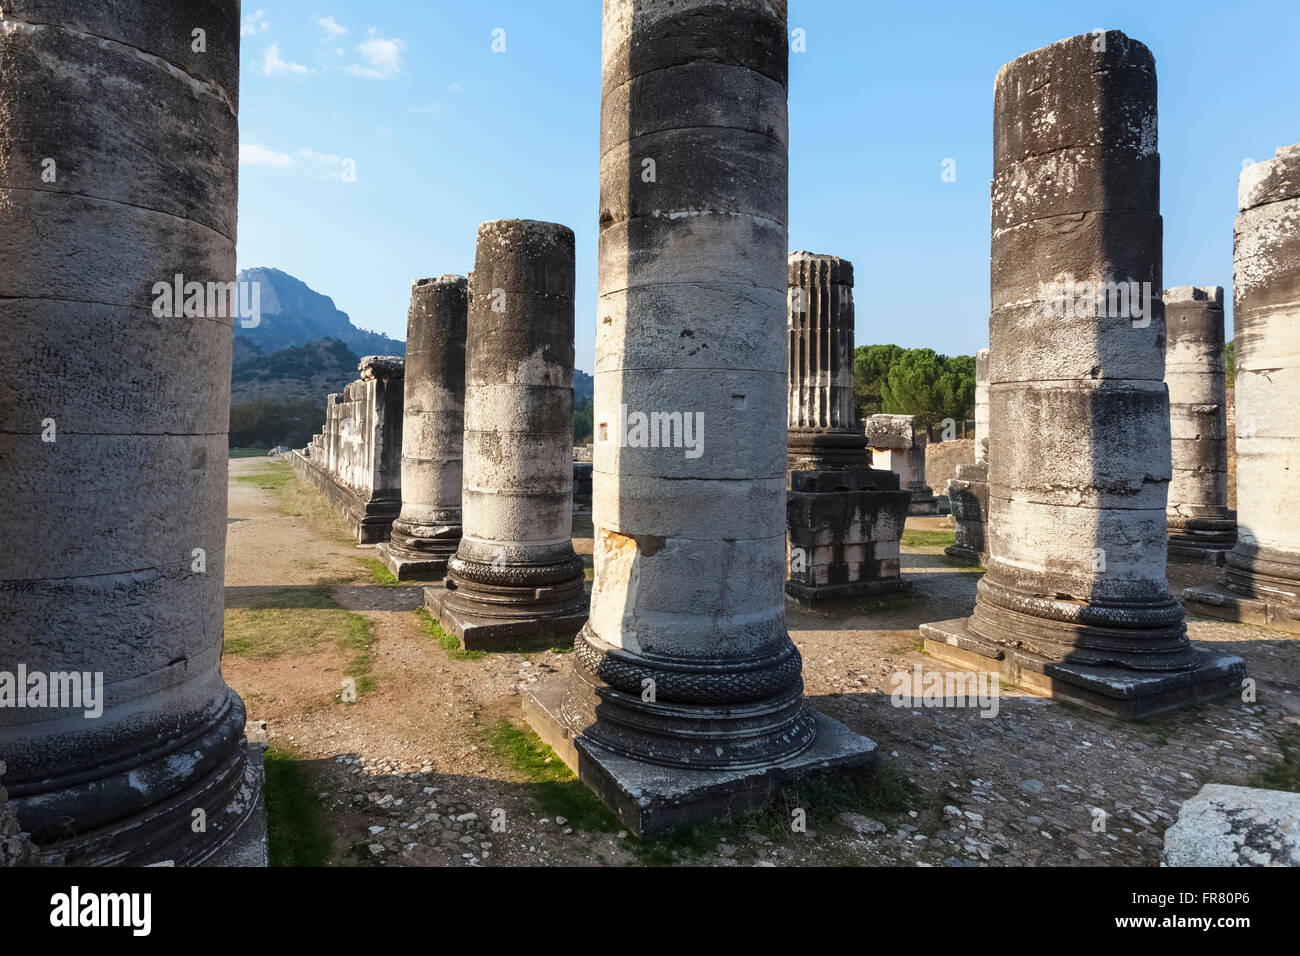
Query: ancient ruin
column 1262, row 573
column 356, row 462
column 1075, row 603
column 427, row 531
column 118, row 180
column 686, row 699
column 844, row 518
column 969, row 491
column 1200, row 525
column 896, row 446
column 515, row 578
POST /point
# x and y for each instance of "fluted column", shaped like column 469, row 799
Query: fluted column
column 1074, row 602
column 515, row 577
column 686, row 692
column 823, row 430
column 427, row 531
column 1200, row 525
column 118, row 189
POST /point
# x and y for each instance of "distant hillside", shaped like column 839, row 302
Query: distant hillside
column 293, row 314
column 584, row 387
column 301, row 372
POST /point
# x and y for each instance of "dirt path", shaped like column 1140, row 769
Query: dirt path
column 429, row 766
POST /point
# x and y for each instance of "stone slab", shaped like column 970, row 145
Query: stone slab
column 965, row 554
column 1189, row 554
column 406, row 568
column 1235, row 826
column 1213, row 600
column 808, row 597
column 1129, row 695
column 481, row 633
column 652, row 801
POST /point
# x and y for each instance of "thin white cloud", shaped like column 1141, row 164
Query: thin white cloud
column 255, row 154
column 322, row 165
column 332, row 26
column 254, row 23
column 432, row 108
column 455, row 88
column 384, row 57
column 274, row 65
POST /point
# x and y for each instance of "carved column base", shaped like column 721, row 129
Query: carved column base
column 1202, row 538
column 419, row 552
column 1261, row 586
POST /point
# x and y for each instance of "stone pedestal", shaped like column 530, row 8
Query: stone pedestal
column 1074, row 603
column 118, row 179
column 356, row 461
column 515, row 578
column 895, row 445
column 686, row 698
column 969, row 491
column 844, row 519
column 427, row 532
column 1201, row 527
column 1262, row 573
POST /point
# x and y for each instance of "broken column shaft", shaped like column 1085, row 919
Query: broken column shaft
column 1262, row 571
column 1200, row 525
column 969, row 491
column 118, row 187
column 1074, row 603
column 686, row 700
column 427, row 531
column 515, row 577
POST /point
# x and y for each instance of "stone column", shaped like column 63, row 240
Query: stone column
column 845, row 518
column 1200, row 526
column 894, row 445
column 427, row 531
column 968, row 493
column 823, row 430
column 515, row 578
column 1075, row 603
column 686, row 700
column 118, row 184
column 1262, row 574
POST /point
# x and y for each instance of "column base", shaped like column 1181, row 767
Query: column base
column 652, row 801
column 809, row 596
column 924, row 504
column 502, row 632
column 965, row 554
column 1213, row 600
column 413, row 565
column 1191, row 554
column 1127, row 694
column 247, row 844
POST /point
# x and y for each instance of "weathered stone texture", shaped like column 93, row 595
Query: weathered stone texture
column 118, row 170
column 427, row 532
column 896, row 446
column 515, row 576
column 968, row 491
column 1262, row 574
column 1235, row 826
column 1075, row 597
column 357, row 460
column 1200, row 526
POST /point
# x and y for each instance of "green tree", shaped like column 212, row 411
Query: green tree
column 917, row 382
column 584, row 417
column 871, row 365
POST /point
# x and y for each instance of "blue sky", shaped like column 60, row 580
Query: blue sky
column 443, row 133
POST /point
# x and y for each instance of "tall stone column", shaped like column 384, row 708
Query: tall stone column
column 844, row 518
column 968, row 493
column 427, row 531
column 1075, row 603
column 118, row 188
column 1200, row 525
column 823, row 430
column 1262, row 574
column 686, row 699
column 515, row 577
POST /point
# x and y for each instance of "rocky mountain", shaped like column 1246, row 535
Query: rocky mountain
column 301, row 372
column 292, row 314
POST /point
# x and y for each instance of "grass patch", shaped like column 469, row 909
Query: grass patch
column 296, row 833
column 248, row 453
column 379, row 571
column 947, row 560
column 1285, row 774
column 556, row 790
column 928, row 538
column 914, row 646
column 278, row 481
column 299, row 620
column 449, row 642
